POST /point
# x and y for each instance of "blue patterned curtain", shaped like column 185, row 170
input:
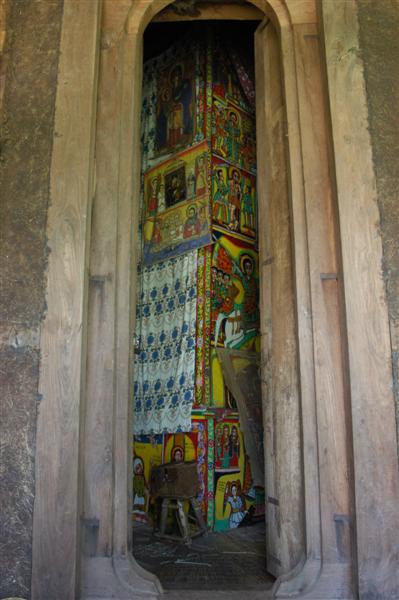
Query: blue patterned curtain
column 164, row 362
column 165, row 359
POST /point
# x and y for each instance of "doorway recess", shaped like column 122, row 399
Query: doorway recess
column 197, row 392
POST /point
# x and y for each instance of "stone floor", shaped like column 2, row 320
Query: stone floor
column 233, row 560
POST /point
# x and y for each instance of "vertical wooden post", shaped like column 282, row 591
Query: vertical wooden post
column 108, row 568
column 62, row 375
column 331, row 393
column 325, row 570
column 102, row 432
column 128, row 206
column 373, row 412
column 284, row 492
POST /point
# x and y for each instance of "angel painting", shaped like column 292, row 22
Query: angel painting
column 140, row 488
column 233, row 498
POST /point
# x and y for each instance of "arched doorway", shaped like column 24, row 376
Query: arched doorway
column 214, row 287
column 103, row 456
column 294, row 537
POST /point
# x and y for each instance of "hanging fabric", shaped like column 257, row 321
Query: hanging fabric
column 173, row 101
column 174, row 219
column 165, row 364
column 245, row 80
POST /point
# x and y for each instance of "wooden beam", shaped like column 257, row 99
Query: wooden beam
column 302, row 11
column 332, row 402
column 108, row 569
column 61, row 384
column 281, row 406
column 212, row 12
column 308, row 569
column 373, row 409
column 99, row 407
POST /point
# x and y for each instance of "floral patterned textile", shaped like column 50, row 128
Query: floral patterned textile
column 165, row 360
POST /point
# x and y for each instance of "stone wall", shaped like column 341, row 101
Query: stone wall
column 379, row 42
column 29, row 81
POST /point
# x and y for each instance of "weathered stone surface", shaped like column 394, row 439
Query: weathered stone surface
column 31, row 52
column 26, row 141
column 18, row 376
column 379, row 39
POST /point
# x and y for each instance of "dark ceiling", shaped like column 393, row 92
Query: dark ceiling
column 159, row 36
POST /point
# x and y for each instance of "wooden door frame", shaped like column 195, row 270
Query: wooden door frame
column 82, row 516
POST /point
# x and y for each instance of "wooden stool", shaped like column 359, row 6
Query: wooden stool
column 183, row 519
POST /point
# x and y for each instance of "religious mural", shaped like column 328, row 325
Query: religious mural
column 234, row 294
column 233, row 199
column 234, row 495
column 230, row 79
column 199, row 278
column 234, row 500
column 147, row 454
column 193, row 445
column 227, row 446
column 175, row 106
column 176, row 214
column 233, row 135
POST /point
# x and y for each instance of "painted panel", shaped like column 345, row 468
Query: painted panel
column 176, row 106
column 147, row 453
column 195, row 446
column 233, row 481
column 233, row 135
column 175, row 101
column 234, row 294
column 176, row 218
column 230, row 80
column 229, row 452
column 233, row 200
column 202, row 372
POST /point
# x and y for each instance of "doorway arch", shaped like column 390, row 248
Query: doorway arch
column 326, row 568
column 295, row 537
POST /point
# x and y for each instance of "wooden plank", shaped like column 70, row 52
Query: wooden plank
column 302, row 11
column 285, row 537
column 332, row 405
column 110, row 570
column 56, row 511
column 98, row 500
column 142, row 12
column 265, row 301
column 211, row 12
column 282, row 12
column 128, row 205
column 373, row 414
column 115, row 14
column 308, row 569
